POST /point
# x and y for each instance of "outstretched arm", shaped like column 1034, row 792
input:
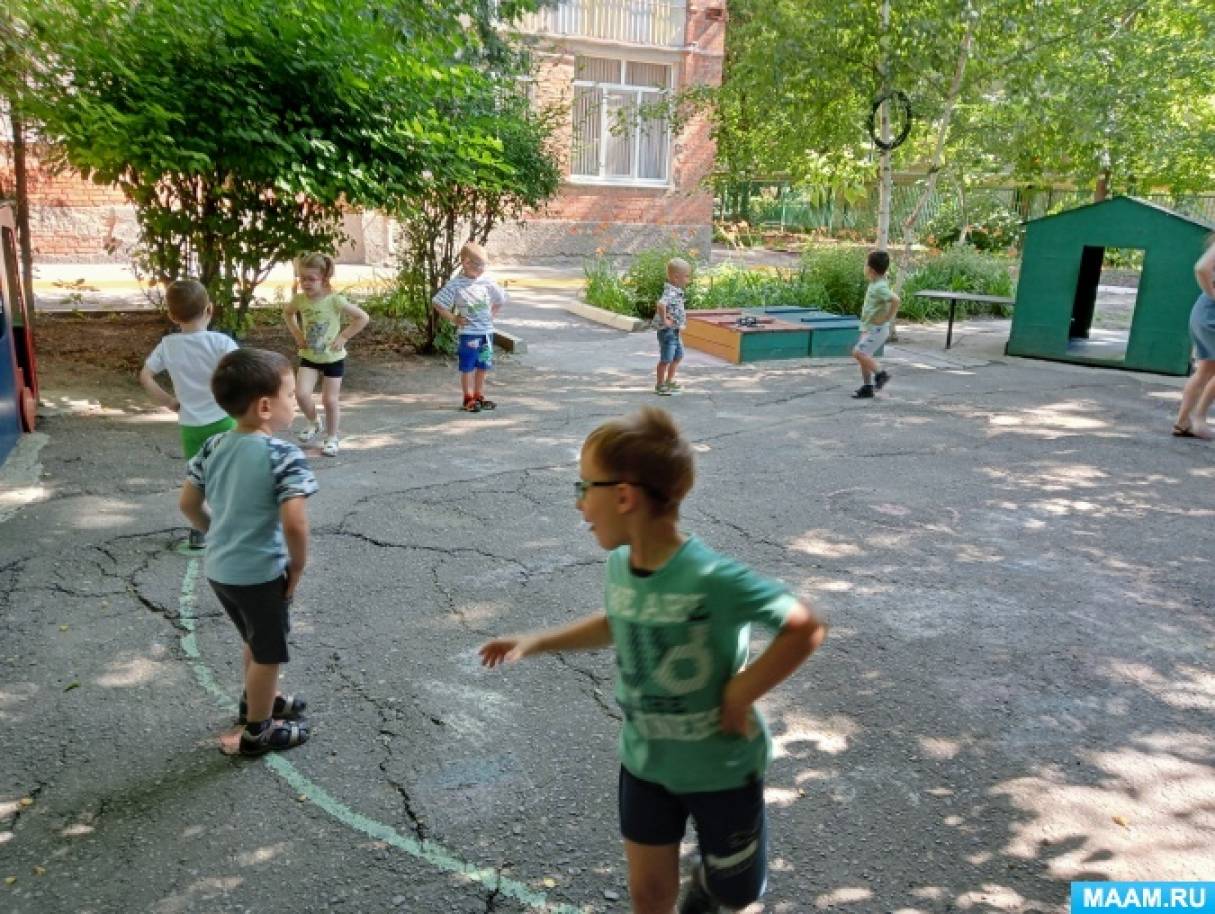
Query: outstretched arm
column 584, row 635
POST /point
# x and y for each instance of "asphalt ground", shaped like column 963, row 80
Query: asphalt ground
column 1014, row 556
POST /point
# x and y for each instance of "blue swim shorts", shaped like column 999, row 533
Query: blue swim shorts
column 476, row 353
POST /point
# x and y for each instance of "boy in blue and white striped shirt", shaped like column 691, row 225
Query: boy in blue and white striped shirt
column 471, row 300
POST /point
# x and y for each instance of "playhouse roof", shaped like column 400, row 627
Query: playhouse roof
column 1202, row 223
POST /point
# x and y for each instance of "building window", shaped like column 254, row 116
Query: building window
column 621, row 132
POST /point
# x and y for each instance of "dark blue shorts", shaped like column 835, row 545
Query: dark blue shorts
column 260, row 614
column 731, row 829
column 476, row 353
column 670, row 346
column 328, row 369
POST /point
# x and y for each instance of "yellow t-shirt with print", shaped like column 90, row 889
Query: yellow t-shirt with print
column 321, row 320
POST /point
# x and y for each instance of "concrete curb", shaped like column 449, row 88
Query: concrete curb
column 607, row 318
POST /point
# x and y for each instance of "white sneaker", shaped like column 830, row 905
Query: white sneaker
column 309, row 431
column 331, row 447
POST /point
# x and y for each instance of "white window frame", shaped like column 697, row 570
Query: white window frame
column 605, row 127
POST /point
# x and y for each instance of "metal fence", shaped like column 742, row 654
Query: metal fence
column 777, row 205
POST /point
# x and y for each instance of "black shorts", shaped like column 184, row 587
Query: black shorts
column 259, row 612
column 731, row 829
column 328, row 369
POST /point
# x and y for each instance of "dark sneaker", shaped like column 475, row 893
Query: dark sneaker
column 197, row 539
column 698, row 900
column 881, row 379
column 864, row 392
column 471, row 406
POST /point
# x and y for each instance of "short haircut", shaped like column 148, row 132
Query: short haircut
column 244, row 376
column 646, row 449
column 475, row 252
column 186, row 300
column 316, row 261
column 678, row 265
column 878, row 261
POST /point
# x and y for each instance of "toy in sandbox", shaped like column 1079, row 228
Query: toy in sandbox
column 775, row 332
column 1061, row 268
column 18, row 368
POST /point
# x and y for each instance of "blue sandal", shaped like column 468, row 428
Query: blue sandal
column 286, row 707
column 277, row 736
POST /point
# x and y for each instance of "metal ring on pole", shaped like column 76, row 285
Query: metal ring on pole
column 900, row 98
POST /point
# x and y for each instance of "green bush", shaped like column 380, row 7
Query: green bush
column 992, row 225
column 958, row 269
column 405, row 301
column 603, row 288
column 736, row 287
column 644, row 279
column 1124, row 258
column 839, row 270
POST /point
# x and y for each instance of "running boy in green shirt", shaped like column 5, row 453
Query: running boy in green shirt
column 679, row 615
column 881, row 305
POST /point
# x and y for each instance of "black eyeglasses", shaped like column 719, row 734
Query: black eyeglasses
column 582, row 486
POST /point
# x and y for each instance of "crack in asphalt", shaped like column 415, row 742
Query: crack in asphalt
column 388, row 716
column 596, row 690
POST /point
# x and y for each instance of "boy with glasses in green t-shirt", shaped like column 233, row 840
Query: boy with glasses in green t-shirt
column 679, row 615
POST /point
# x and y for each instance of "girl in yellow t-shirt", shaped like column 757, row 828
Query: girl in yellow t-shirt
column 314, row 317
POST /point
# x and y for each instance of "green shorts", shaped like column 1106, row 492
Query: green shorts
column 194, row 436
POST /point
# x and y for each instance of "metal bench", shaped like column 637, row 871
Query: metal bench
column 954, row 297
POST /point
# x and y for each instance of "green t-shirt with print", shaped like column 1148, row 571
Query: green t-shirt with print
column 322, row 322
column 877, row 302
column 681, row 633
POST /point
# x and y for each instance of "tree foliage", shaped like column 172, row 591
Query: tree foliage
column 241, row 129
column 466, row 200
column 1054, row 90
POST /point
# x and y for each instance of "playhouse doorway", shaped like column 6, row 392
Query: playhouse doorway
column 1102, row 314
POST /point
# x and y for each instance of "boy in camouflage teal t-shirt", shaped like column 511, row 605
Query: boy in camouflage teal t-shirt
column 679, row 615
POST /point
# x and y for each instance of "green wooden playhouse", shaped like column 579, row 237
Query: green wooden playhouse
column 1061, row 267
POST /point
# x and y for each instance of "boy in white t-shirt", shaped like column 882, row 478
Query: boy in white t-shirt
column 190, row 357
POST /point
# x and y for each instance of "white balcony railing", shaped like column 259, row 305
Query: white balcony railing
column 640, row 22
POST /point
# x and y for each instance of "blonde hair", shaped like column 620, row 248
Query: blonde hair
column 647, row 449
column 186, row 300
column 474, row 251
column 678, row 265
column 316, row 261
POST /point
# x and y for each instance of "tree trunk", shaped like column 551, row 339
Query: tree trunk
column 1102, row 189
column 21, row 177
column 934, row 165
column 885, row 173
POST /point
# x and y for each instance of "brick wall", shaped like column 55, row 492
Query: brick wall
column 71, row 219
column 586, row 218
column 75, row 220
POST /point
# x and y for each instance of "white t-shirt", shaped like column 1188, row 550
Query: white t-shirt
column 190, row 360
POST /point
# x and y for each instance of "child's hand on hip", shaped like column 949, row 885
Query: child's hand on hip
column 735, row 712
